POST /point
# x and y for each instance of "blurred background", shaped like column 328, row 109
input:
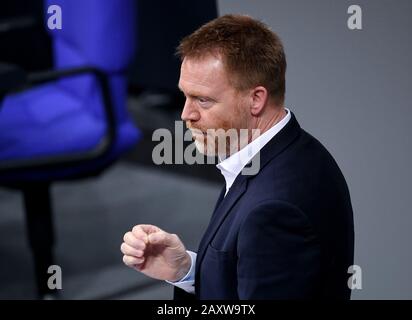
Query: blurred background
column 76, row 147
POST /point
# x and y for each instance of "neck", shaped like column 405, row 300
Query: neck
column 260, row 126
column 266, row 122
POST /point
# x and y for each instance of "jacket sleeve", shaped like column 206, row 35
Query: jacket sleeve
column 278, row 254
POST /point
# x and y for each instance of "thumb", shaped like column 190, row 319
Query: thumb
column 162, row 238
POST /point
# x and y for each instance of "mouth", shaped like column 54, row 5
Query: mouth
column 197, row 133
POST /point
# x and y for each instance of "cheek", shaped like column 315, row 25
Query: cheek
column 224, row 116
column 226, row 123
column 224, row 120
column 214, row 120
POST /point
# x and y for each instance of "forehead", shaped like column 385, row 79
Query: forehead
column 203, row 75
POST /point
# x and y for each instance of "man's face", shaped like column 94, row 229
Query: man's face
column 211, row 103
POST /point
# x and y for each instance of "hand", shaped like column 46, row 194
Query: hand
column 155, row 253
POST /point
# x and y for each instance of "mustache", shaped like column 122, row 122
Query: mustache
column 192, row 128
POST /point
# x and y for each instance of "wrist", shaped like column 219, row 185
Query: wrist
column 184, row 268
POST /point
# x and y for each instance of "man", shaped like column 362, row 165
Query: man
column 285, row 232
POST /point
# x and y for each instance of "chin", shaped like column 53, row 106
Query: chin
column 208, row 151
column 200, row 146
column 203, row 149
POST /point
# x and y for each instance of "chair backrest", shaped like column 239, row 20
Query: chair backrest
column 67, row 115
column 94, row 33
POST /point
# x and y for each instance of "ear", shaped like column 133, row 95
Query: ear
column 258, row 99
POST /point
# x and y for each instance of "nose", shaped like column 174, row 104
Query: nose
column 189, row 112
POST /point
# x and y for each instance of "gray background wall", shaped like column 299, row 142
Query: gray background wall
column 352, row 90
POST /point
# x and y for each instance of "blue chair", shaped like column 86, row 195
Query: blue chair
column 73, row 123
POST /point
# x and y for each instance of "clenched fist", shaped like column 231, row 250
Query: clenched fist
column 155, row 253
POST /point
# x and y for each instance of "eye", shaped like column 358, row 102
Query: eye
column 204, row 102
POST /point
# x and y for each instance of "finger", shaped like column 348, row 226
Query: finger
column 132, row 261
column 140, row 232
column 130, row 251
column 132, row 241
column 163, row 238
column 148, row 228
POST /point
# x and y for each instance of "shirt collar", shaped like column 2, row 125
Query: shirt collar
column 233, row 165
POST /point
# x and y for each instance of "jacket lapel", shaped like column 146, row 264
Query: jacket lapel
column 219, row 200
column 280, row 141
column 221, row 211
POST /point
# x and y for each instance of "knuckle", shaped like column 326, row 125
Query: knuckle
column 162, row 237
column 131, row 240
column 174, row 237
column 126, row 236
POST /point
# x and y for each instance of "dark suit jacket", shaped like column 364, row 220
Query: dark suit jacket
column 285, row 233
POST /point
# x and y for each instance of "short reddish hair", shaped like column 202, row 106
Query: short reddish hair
column 252, row 54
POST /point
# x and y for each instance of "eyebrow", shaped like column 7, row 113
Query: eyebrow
column 193, row 94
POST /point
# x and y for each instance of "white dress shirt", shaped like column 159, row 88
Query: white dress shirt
column 230, row 168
